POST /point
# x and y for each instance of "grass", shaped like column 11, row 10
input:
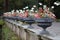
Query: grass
column 1, row 22
column 9, row 34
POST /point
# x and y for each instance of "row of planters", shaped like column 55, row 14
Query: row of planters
column 43, row 17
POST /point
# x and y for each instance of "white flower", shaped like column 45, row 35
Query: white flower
column 34, row 5
column 52, row 7
column 40, row 3
column 26, row 7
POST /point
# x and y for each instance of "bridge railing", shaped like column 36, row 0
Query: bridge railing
column 26, row 33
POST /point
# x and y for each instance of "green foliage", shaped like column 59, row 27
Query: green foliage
column 16, row 4
column 1, row 1
column 1, row 22
column 8, row 34
column 19, row 4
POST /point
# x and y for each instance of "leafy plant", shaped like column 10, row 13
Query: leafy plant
column 1, row 22
column 8, row 34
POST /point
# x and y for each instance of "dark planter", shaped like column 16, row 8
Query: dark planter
column 20, row 19
column 44, row 23
column 29, row 21
column 13, row 18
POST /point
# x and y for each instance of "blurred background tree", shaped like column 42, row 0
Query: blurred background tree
column 8, row 5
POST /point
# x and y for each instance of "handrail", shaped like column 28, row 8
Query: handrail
column 34, row 30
